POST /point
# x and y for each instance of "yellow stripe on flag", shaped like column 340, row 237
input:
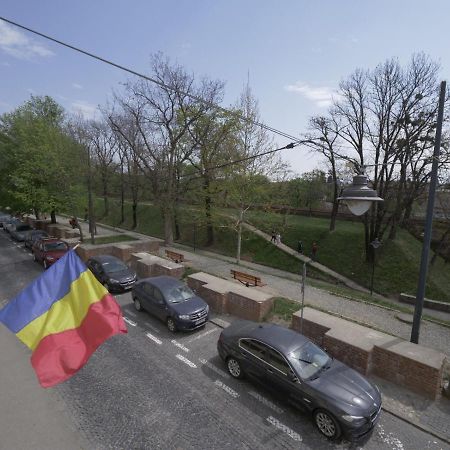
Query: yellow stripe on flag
column 65, row 314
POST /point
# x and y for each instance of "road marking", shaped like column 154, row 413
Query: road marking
column 199, row 336
column 186, row 361
column 285, row 429
column 153, row 338
column 266, row 402
column 131, row 313
column 226, row 388
column 215, row 369
column 152, row 327
column 129, row 321
column 177, row 344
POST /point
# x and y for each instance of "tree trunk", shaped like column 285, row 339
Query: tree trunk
column 53, row 215
column 37, row 214
column 335, row 208
column 168, row 224
column 439, row 246
column 208, row 204
column 239, row 237
column 122, row 196
column 134, row 207
column 177, row 226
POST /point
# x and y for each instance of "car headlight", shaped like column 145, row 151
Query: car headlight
column 207, row 309
column 353, row 419
column 183, row 316
column 49, row 258
column 113, row 280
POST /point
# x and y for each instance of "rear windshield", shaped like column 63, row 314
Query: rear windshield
column 23, row 228
column 52, row 246
column 114, row 266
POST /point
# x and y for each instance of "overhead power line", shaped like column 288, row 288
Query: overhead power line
column 153, row 80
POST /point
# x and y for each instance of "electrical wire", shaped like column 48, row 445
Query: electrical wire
column 153, row 80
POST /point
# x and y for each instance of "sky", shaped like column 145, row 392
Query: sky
column 294, row 53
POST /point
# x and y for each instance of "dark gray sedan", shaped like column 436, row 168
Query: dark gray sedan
column 340, row 399
column 33, row 236
column 112, row 272
column 20, row 231
column 171, row 301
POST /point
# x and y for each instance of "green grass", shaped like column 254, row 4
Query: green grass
column 397, row 261
column 284, row 308
column 114, row 239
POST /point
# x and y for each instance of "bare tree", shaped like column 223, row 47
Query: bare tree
column 162, row 114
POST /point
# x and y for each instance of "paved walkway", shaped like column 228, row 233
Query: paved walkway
column 433, row 417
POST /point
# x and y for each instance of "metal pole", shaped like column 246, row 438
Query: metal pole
column 429, row 221
column 373, row 273
column 303, row 296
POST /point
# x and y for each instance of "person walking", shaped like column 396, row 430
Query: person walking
column 314, row 249
column 300, row 247
column 274, row 237
column 278, row 239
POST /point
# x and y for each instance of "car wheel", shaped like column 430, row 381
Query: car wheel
column 137, row 304
column 171, row 325
column 45, row 265
column 327, row 424
column 234, row 368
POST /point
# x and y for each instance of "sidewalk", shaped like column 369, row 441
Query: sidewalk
column 432, row 417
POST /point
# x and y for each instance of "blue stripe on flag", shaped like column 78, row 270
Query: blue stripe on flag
column 41, row 293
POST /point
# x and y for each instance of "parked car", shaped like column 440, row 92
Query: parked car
column 10, row 224
column 48, row 251
column 341, row 400
column 4, row 217
column 33, row 236
column 112, row 272
column 171, row 301
column 20, row 231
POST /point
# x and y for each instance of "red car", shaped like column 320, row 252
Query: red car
column 48, row 251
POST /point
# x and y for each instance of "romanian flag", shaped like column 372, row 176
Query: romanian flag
column 63, row 316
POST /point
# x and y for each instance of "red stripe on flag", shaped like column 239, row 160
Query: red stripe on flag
column 59, row 356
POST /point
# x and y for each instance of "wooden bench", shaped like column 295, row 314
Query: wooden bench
column 246, row 278
column 177, row 257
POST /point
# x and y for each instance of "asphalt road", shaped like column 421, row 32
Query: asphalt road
column 151, row 389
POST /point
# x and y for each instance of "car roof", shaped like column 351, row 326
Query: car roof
column 280, row 338
column 52, row 239
column 105, row 259
column 163, row 282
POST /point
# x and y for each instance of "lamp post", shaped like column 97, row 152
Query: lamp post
column 429, row 221
column 359, row 196
column 374, row 244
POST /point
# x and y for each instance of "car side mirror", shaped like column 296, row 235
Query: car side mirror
column 292, row 377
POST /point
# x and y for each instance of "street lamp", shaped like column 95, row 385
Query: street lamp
column 359, row 196
column 374, row 244
column 429, row 221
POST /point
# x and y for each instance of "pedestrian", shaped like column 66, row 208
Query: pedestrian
column 274, row 237
column 314, row 249
column 300, row 247
column 278, row 239
column 86, row 214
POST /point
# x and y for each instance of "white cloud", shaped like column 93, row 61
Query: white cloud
column 321, row 96
column 17, row 44
column 85, row 109
column 77, row 86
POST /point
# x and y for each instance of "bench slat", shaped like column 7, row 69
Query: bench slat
column 246, row 278
column 177, row 257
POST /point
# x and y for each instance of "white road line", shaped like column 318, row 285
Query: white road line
column 186, row 361
column 152, row 327
column 266, row 402
column 131, row 313
column 226, row 388
column 285, row 429
column 179, row 345
column 153, row 338
column 199, row 336
column 215, row 369
column 129, row 321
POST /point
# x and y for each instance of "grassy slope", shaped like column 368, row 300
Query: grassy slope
column 397, row 263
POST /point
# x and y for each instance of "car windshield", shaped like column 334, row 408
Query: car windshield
column 179, row 294
column 114, row 266
column 52, row 246
column 309, row 360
